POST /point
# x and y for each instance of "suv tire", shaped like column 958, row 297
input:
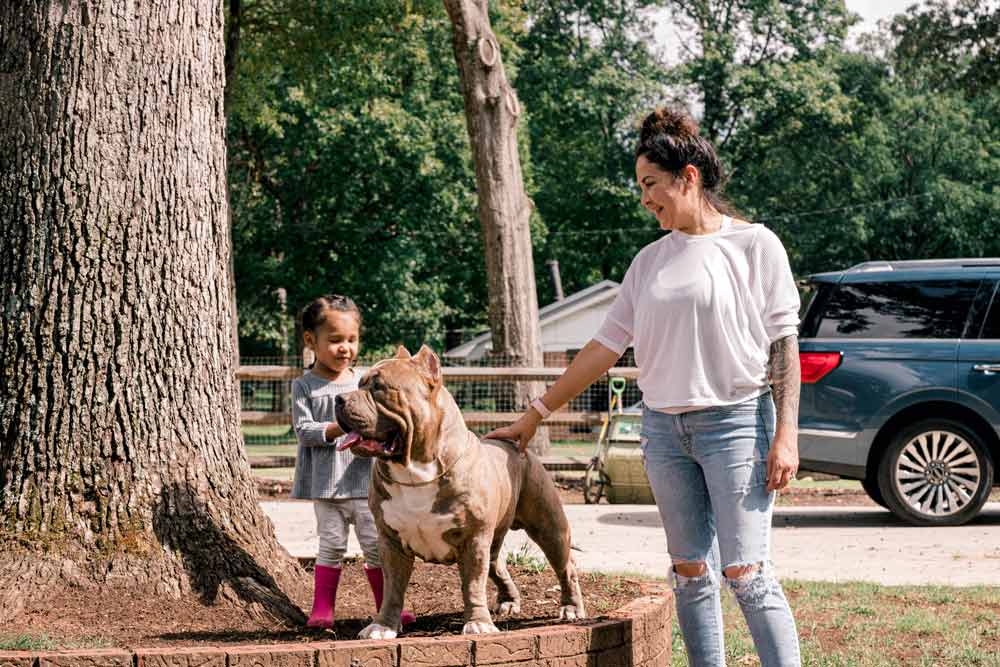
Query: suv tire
column 870, row 485
column 936, row 472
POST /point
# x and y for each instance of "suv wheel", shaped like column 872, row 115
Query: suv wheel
column 936, row 472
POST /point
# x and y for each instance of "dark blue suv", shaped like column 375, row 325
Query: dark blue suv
column 901, row 383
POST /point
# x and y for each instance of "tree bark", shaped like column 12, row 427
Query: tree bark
column 121, row 460
column 491, row 111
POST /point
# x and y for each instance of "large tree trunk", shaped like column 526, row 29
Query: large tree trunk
column 121, row 462
column 491, row 112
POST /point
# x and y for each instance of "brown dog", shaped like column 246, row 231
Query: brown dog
column 440, row 493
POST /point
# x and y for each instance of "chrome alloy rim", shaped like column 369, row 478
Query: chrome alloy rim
column 937, row 473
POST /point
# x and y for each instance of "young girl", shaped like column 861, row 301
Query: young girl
column 336, row 482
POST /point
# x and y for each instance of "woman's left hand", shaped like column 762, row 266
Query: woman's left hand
column 782, row 462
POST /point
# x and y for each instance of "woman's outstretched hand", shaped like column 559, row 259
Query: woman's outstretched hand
column 521, row 431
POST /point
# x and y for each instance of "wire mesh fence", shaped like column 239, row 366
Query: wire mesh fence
column 489, row 391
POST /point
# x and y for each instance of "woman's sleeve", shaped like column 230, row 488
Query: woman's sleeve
column 780, row 296
column 616, row 332
column 309, row 432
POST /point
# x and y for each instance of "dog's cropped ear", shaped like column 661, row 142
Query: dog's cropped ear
column 402, row 353
column 429, row 362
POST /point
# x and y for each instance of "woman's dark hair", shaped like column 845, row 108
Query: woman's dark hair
column 314, row 314
column 670, row 139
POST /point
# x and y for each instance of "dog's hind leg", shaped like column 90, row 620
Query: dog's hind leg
column 397, row 568
column 550, row 531
column 474, row 565
column 508, row 597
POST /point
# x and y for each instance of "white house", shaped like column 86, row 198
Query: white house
column 566, row 325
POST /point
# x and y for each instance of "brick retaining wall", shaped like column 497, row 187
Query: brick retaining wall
column 637, row 635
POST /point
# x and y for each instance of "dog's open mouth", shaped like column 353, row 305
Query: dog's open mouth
column 355, row 440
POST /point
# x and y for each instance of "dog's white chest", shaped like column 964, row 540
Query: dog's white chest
column 409, row 513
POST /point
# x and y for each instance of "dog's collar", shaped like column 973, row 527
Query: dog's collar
column 386, row 477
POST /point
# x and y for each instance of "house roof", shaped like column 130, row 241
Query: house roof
column 553, row 312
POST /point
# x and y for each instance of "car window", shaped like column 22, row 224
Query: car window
column 917, row 309
column 810, row 315
column 991, row 327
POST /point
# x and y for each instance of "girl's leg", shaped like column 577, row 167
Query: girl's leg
column 732, row 445
column 367, row 532
column 331, row 526
column 683, row 501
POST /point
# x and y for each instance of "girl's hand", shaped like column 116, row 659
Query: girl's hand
column 521, row 431
column 782, row 462
column 332, row 431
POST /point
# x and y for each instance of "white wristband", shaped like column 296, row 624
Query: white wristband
column 540, row 408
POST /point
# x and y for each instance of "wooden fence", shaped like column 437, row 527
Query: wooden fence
column 452, row 375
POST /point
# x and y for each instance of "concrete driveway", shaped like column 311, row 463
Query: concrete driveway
column 812, row 543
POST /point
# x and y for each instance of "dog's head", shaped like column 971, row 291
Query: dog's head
column 394, row 414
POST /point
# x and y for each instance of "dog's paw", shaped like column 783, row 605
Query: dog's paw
column 570, row 612
column 508, row 608
column 478, row 628
column 376, row 631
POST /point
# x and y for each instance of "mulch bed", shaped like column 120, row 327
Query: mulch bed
column 116, row 619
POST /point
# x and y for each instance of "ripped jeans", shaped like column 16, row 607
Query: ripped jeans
column 708, row 473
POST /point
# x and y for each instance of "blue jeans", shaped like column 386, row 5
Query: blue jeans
column 708, row 473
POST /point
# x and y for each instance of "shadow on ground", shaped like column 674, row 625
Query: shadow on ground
column 832, row 517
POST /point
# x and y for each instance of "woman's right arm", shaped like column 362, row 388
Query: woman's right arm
column 590, row 363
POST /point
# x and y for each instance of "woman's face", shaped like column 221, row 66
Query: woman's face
column 672, row 199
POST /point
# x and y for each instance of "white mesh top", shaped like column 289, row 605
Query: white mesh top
column 701, row 313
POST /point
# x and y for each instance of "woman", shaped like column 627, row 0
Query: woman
column 712, row 313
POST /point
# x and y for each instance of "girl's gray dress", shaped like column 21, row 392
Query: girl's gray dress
column 321, row 472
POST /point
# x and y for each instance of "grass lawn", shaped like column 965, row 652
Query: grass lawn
column 278, row 440
column 284, row 474
column 272, row 450
column 867, row 625
column 810, row 483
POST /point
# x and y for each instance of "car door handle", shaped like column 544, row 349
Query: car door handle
column 987, row 369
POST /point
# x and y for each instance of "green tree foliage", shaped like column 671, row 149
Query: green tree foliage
column 739, row 52
column 585, row 76
column 350, row 170
column 876, row 161
column 949, row 44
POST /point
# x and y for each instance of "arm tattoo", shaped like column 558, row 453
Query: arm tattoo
column 785, row 376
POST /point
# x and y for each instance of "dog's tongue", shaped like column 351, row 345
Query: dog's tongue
column 351, row 438
column 354, row 439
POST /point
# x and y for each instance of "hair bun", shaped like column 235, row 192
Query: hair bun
column 669, row 122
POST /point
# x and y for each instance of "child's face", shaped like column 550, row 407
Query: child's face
column 335, row 342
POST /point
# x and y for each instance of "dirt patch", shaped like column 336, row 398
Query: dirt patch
column 71, row 618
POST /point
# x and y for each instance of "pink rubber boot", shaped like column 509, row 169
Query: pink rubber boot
column 377, row 582
column 326, row 579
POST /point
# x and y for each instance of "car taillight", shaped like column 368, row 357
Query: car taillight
column 816, row 365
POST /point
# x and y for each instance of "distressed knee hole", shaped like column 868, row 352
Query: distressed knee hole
column 738, row 572
column 695, row 574
column 690, row 568
column 751, row 583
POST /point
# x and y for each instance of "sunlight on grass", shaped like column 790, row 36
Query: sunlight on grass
column 810, row 483
column 283, row 474
column 26, row 643
column 45, row 643
column 868, row 625
column 272, row 450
